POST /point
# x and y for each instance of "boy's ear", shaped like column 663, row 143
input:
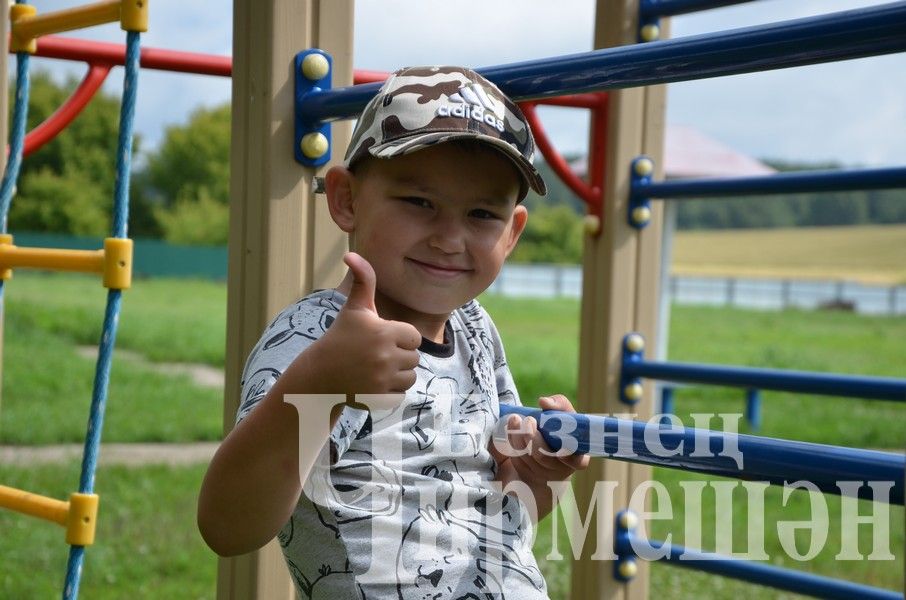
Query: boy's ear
column 338, row 183
column 520, row 218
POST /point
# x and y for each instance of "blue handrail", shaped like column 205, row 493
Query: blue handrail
column 670, row 8
column 781, row 183
column 838, row 36
column 713, row 452
column 830, row 384
column 763, row 574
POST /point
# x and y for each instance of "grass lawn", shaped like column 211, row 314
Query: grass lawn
column 148, row 546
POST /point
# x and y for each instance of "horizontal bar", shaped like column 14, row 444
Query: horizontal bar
column 844, row 35
column 828, row 384
column 151, row 58
column 67, row 19
column 781, row 183
column 35, row 505
column 672, row 8
column 83, row 261
column 715, row 453
column 768, row 575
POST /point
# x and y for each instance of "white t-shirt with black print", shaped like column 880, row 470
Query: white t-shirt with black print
column 402, row 504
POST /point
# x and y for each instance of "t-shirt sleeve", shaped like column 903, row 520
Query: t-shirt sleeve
column 506, row 387
column 287, row 336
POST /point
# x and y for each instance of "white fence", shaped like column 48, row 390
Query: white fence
column 553, row 281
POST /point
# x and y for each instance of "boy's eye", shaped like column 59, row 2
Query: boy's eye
column 481, row 213
column 416, row 201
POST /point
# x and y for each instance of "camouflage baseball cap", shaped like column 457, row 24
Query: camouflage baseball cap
column 421, row 106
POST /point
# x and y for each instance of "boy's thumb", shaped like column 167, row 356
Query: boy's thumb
column 361, row 294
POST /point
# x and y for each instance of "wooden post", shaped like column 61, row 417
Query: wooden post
column 621, row 273
column 4, row 107
column 282, row 241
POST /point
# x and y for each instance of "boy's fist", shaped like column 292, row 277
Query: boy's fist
column 365, row 353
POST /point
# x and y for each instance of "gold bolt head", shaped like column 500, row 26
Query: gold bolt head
column 315, row 66
column 628, row 569
column 650, row 32
column 628, row 520
column 592, row 224
column 635, row 342
column 641, row 215
column 314, row 145
column 633, row 391
column 644, row 167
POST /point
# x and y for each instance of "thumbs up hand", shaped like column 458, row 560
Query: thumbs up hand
column 362, row 353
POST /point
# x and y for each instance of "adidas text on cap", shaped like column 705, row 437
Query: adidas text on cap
column 421, row 106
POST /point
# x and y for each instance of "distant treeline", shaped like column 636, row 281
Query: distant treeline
column 759, row 212
column 795, row 210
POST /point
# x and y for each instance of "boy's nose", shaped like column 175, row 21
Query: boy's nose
column 448, row 236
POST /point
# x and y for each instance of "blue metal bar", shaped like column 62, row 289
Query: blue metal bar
column 844, row 35
column 830, row 384
column 715, row 453
column 782, row 183
column 779, row 578
column 670, row 8
column 753, row 408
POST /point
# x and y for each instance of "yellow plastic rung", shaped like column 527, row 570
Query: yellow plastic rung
column 82, row 519
column 134, row 15
column 49, row 509
column 17, row 43
column 27, row 27
column 114, row 261
column 79, row 516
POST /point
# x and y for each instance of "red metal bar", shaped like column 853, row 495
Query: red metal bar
column 555, row 159
column 68, row 111
column 101, row 56
column 151, row 58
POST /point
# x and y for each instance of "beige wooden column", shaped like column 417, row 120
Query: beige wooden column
column 4, row 107
column 282, row 241
column 619, row 295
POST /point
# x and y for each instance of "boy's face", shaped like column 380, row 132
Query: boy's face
column 436, row 225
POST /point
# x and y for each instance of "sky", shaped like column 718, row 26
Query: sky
column 853, row 112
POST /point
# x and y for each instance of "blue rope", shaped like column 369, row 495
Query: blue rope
column 16, row 143
column 111, row 315
column 17, row 137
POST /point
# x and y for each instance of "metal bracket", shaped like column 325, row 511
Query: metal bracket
column 633, row 351
column 313, row 68
column 639, row 211
column 649, row 22
column 625, row 567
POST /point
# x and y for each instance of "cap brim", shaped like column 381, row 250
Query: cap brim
column 530, row 175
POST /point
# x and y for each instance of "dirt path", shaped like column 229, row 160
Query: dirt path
column 202, row 375
column 111, row 454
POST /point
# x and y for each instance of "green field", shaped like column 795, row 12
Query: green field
column 148, row 546
column 869, row 254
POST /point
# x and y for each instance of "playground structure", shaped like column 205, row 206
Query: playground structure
column 114, row 262
column 282, row 244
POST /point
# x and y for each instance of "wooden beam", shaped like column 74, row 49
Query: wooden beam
column 619, row 295
column 282, row 241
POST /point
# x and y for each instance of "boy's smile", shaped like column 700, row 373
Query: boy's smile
column 436, row 226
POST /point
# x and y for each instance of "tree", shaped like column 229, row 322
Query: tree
column 553, row 234
column 188, row 178
column 67, row 185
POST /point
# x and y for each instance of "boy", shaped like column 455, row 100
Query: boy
column 407, row 498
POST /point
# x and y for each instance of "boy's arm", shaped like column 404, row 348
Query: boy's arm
column 253, row 482
column 538, row 466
